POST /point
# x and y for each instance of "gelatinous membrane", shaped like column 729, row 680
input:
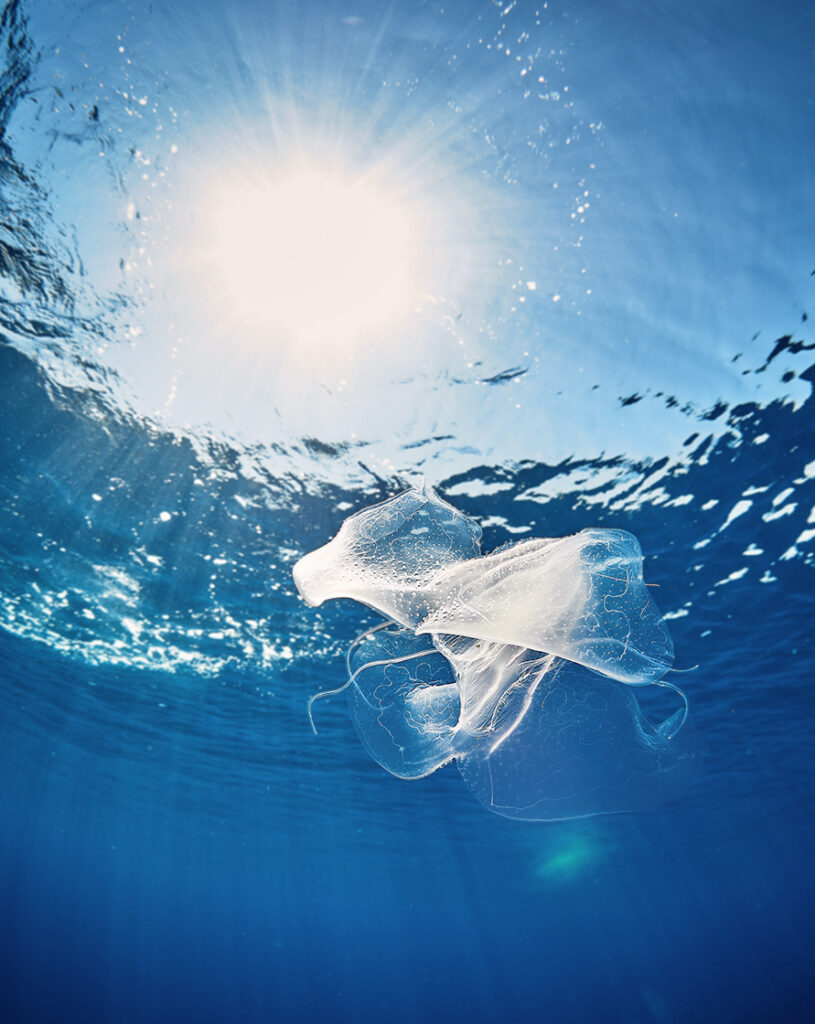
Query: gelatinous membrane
column 580, row 597
column 405, row 702
column 572, row 744
column 519, row 664
column 388, row 555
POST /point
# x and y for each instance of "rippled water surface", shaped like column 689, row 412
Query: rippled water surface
column 606, row 323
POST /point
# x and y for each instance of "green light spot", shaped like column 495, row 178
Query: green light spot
column 569, row 857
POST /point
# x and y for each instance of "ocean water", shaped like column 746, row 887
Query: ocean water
column 612, row 220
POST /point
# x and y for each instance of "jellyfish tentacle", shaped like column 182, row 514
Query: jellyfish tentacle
column 384, row 661
column 368, row 664
column 543, row 667
column 363, row 636
column 685, row 709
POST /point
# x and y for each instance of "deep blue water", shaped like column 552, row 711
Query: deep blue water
column 175, row 843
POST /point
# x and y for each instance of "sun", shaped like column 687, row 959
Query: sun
column 318, row 256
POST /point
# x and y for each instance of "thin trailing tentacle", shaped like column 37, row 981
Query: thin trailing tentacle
column 368, row 664
column 359, row 639
column 542, row 667
column 353, row 676
column 670, row 686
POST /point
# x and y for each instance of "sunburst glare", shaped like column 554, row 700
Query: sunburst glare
column 321, row 257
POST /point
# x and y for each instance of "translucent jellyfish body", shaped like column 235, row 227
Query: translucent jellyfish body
column 519, row 665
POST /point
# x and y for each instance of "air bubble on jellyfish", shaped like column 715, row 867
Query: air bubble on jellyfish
column 521, row 665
